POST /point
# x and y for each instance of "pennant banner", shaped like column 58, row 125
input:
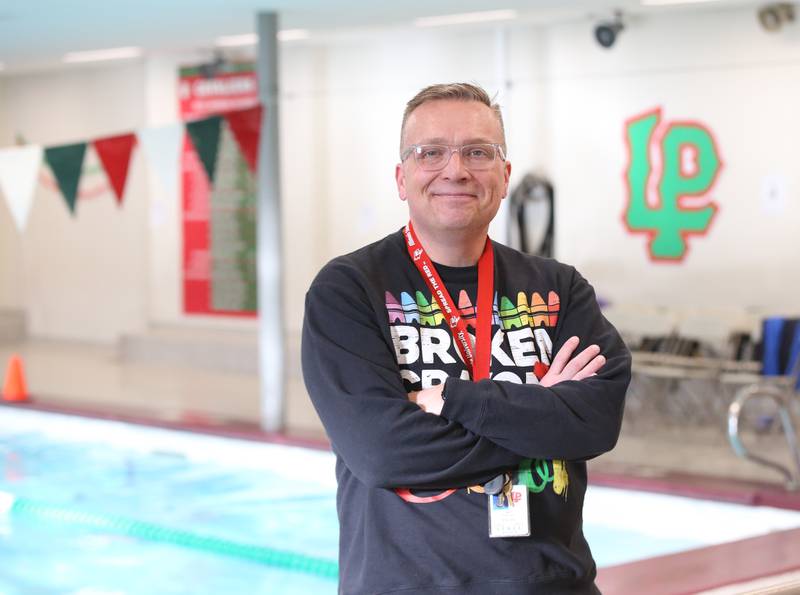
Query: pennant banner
column 19, row 168
column 246, row 127
column 115, row 155
column 205, row 138
column 162, row 147
column 66, row 162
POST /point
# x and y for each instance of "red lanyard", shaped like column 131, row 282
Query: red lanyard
column 477, row 357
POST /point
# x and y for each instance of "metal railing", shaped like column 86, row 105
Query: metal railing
column 782, row 397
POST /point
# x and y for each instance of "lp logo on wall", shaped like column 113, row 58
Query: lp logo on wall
column 671, row 171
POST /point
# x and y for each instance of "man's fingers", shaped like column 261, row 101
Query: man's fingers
column 580, row 361
column 583, row 365
column 591, row 368
column 562, row 357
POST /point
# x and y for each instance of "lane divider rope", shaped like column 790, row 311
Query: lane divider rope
column 24, row 508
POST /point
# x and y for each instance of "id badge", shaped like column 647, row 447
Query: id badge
column 509, row 515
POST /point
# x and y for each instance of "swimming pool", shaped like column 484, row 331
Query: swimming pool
column 95, row 507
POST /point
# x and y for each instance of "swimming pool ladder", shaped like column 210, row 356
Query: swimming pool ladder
column 782, row 397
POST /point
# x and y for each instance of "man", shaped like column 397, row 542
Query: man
column 460, row 438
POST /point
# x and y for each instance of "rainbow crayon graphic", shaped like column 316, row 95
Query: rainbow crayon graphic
column 429, row 313
column 466, row 308
column 509, row 316
column 409, row 307
column 522, row 308
column 539, row 313
column 554, row 303
column 394, row 309
column 436, row 311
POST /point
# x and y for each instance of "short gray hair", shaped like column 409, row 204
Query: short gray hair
column 458, row 91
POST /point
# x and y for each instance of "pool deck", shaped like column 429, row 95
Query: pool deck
column 706, row 568
column 728, row 566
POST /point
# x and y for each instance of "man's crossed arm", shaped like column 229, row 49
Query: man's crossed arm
column 587, row 363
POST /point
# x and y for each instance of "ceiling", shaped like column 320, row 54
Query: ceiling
column 35, row 34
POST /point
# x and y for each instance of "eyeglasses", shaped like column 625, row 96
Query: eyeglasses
column 435, row 157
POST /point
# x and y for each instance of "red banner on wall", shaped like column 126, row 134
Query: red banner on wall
column 219, row 251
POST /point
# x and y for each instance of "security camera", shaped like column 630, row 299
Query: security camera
column 215, row 67
column 773, row 16
column 606, row 33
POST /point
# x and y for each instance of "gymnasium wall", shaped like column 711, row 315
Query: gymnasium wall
column 716, row 69
column 566, row 103
column 80, row 277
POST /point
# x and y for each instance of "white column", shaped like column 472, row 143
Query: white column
column 270, row 262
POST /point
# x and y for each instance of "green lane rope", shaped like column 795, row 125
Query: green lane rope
column 31, row 509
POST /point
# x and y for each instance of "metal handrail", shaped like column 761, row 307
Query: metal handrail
column 781, row 397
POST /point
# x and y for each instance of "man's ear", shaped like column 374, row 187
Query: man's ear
column 506, row 176
column 400, row 178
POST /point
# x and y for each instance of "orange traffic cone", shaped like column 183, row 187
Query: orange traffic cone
column 14, row 387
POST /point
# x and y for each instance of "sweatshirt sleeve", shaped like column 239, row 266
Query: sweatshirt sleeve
column 571, row 420
column 355, row 385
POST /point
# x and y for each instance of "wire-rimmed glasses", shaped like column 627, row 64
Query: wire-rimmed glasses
column 476, row 156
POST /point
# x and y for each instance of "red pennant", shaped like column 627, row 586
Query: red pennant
column 115, row 155
column 246, row 127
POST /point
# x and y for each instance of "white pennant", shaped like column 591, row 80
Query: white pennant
column 162, row 147
column 19, row 169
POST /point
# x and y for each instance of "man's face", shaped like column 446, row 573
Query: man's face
column 454, row 198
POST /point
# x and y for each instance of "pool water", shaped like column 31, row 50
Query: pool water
column 108, row 508
column 39, row 559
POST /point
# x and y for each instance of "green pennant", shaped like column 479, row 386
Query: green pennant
column 205, row 138
column 66, row 161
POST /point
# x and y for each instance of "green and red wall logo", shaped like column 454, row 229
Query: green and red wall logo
column 672, row 168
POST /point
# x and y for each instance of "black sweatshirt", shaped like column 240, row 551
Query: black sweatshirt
column 372, row 333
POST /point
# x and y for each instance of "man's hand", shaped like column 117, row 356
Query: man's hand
column 429, row 399
column 583, row 365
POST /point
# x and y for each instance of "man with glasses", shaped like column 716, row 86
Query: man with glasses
column 447, row 372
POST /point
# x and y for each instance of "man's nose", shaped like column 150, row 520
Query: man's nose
column 454, row 168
